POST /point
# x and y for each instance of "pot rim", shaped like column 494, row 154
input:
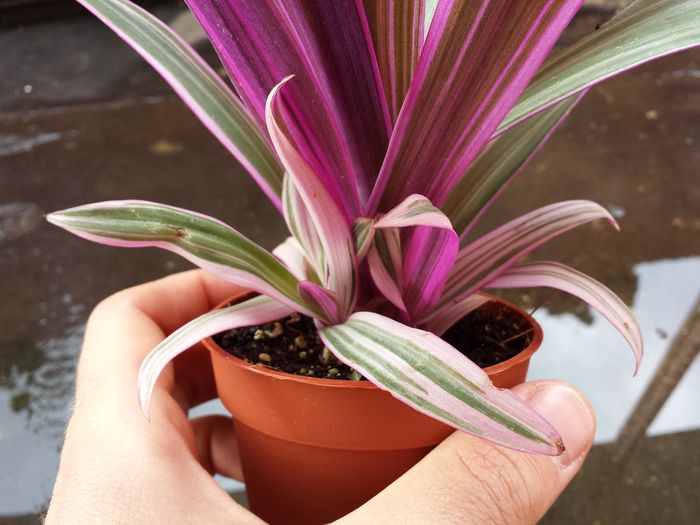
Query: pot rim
column 212, row 346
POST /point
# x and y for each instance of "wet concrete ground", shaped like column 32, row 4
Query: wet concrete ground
column 82, row 119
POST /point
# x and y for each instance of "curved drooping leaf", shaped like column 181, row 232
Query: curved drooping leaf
column 255, row 311
column 646, row 30
column 324, row 216
column 397, row 34
column 483, row 259
column 598, row 296
column 498, row 165
column 198, row 86
column 414, row 210
column 424, row 371
column 207, row 242
column 478, row 57
column 337, row 112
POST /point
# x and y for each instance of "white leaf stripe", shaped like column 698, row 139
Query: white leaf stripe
column 199, row 86
column 255, row 311
column 443, row 383
column 598, row 296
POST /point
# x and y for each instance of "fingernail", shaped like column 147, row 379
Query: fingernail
column 569, row 412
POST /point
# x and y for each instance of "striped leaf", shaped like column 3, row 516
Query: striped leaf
column 253, row 312
column 490, row 255
column 207, row 242
column 319, row 211
column 559, row 276
column 397, row 34
column 498, row 165
column 478, row 57
column 425, row 372
column 363, row 233
column 198, row 86
column 646, row 30
column 337, row 114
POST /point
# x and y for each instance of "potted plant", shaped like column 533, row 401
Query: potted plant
column 382, row 131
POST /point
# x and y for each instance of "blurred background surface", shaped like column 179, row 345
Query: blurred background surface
column 83, row 118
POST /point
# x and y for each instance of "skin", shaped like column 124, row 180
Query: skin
column 118, row 468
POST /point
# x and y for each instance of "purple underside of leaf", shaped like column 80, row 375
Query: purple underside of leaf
column 428, row 256
column 428, row 249
column 252, row 312
column 487, row 257
column 425, row 372
column 556, row 275
column 477, row 59
column 398, row 34
column 334, row 233
column 327, row 46
column 324, row 301
column 385, row 262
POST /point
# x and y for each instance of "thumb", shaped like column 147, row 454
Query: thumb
column 469, row 480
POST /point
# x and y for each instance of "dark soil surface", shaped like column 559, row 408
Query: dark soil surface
column 487, row 336
column 490, row 335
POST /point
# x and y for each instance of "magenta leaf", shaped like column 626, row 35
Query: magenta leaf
column 427, row 373
column 477, row 59
column 428, row 250
column 327, row 46
column 556, row 275
column 322, row 300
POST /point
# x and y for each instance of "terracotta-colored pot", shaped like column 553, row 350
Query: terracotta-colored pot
column 313, row 449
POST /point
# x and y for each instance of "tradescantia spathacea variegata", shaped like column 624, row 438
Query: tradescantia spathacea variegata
column 382, row 130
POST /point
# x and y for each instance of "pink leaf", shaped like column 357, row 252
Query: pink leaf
column 598, row 296
column 477, row 59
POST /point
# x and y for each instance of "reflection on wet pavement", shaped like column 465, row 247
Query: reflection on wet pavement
column 83, row 119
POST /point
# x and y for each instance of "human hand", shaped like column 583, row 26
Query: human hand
column 117, row 467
